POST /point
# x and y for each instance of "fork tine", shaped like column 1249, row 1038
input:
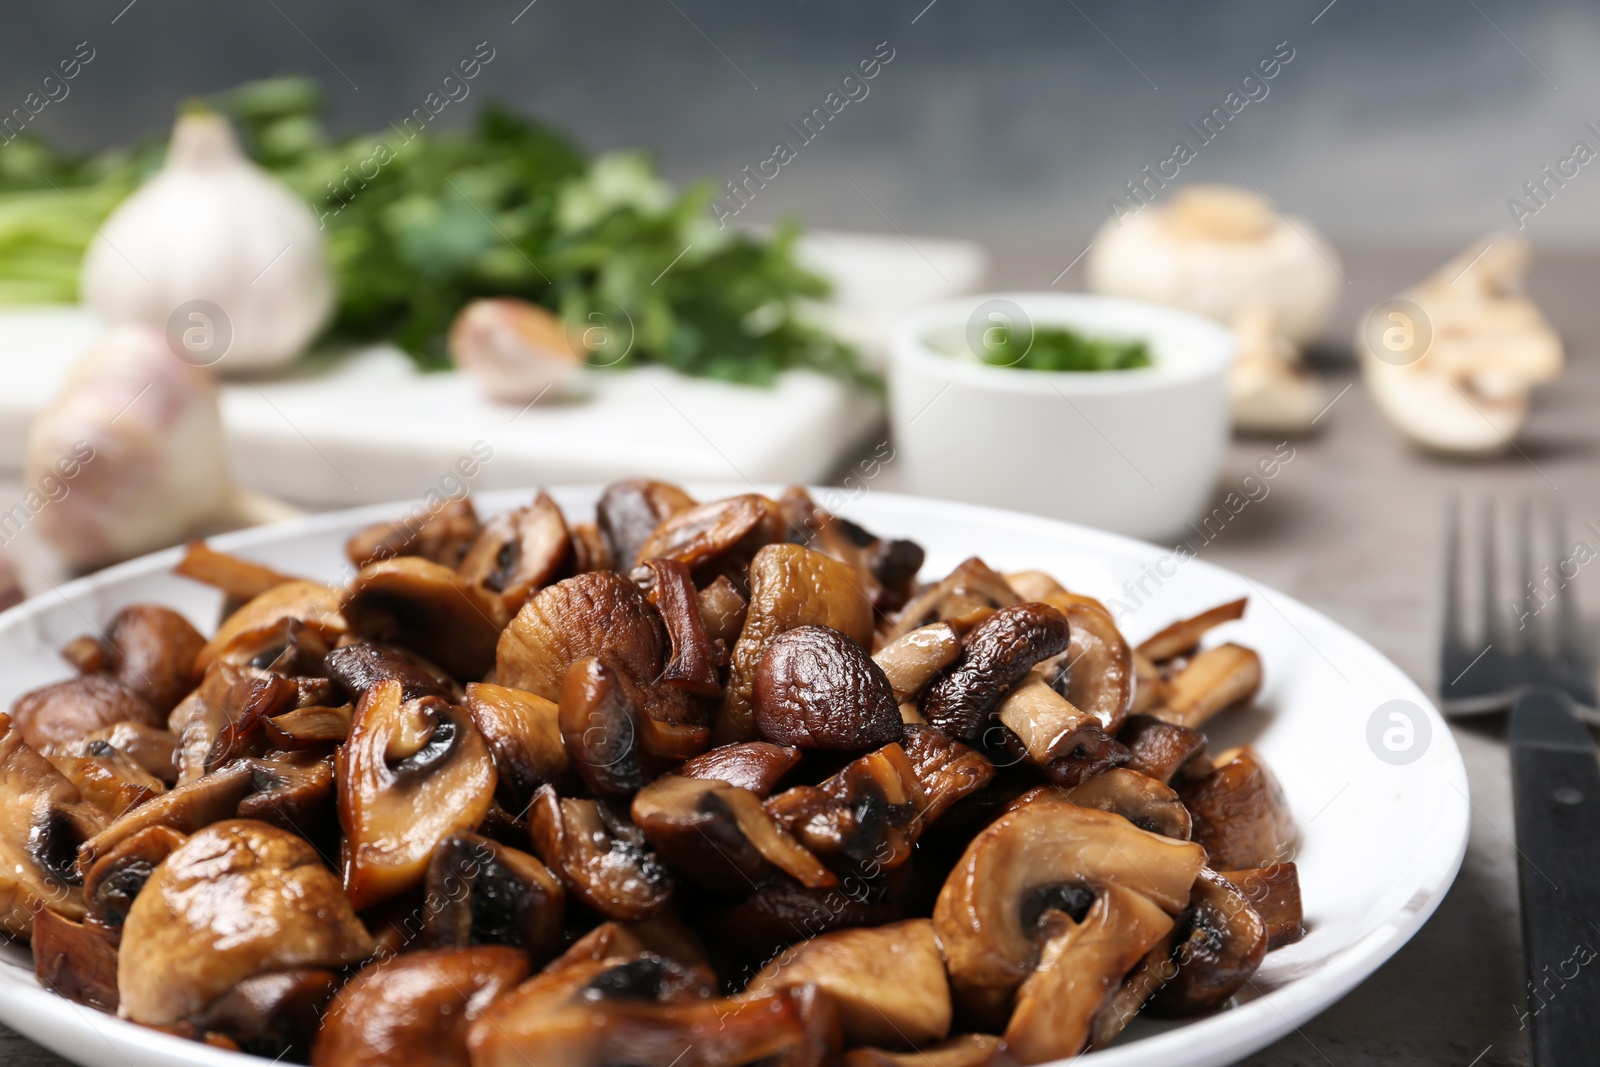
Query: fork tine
column 1569, row 638
column 1528, row 578
column 1491, row 629
column 1455, row 637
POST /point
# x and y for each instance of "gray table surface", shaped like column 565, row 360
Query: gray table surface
column 1352, row 527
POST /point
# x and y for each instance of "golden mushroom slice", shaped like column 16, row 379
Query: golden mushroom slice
column 967, row 1050
column 1213, row 681
column 601, row 857
column 963, row 597
column 1274, row 892
column 412, row 773
column 524, row 733
column 313, row 604
column 706, row 533
column 517, row 553
column 1218, row 944
column 76, row 960
column 237, row 899
column 1096, row 672
column 481, row 892
column 428, row 608
column 888, row 982
column 576, row 618
column 986, row 913
column 629, row 512
column 184, row 808
column 1148, row 804
column 68, row 711
column 1183, row 636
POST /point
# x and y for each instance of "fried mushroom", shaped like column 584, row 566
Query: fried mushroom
column 524, row 733
column 996, row 655
column 629, row 512
column 754, row 765
column 601, row 858
column 576, row 618
column 481, row 892
column 518, row 552
column 68, row 711
column 815, row 688
column 1062, row 740
column 428, row 608
column 1219, row 943
column 1240, row 814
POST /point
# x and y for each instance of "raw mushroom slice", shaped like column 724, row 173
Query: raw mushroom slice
column 576, row 618
column 754, row 765
column 1269, row 389
column 888, row 982
column 967, row 1050
column 1240, row 814
column 237, row 899
column 815, row 688
column 1215, row 680
column 996, row 656
column 442, row 534
column 1487, row 345
column 986, row 912
column 524, row 733
column 914, row 659
column 1183, row 636
column 65, row 712
column 629, row 512
column 1218, row 944
column 492, row 894
column 1065, row 743
column 428, row 608
column 601, row 859
column 412, row 773
column 1274, row 892
column 517, row 553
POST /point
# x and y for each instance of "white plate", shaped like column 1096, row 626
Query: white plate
column 1381, row 843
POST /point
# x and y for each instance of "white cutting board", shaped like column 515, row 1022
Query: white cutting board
column 371, row 428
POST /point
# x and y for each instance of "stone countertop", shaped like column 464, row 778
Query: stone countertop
column 1353, row 528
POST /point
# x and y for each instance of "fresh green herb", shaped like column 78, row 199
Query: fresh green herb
column 420, row 223
column 1052, row 348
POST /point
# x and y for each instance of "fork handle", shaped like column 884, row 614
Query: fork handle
column 1556, row 787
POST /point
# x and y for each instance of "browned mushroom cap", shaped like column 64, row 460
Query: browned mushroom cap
column 661, row 935
column 315, row 605
column 480, row 892
column 692, row 666
column 309, row 727
column 1161, row 750
column 67, row 711
column 287, row 646
column 754, row 765
column 428, row 608
column 575, row 618
column 1096, row 672
column 106, row 778
column 442, row 534
column 913, row 660
column 293, row 791
column 706, row 533
column 996, row 655
column 1048, row 850
column 359, row 665
column 414, row 1010
column 518, row 552
column 613, row 745
column 114, row 880
column 782, row 910
column 946, row 769
column 274, row 1015
column 790, row 586
column 599, row 856
column 241, row 580
column 1216, row 679
column 630, row 1011
column 865, row 819
column 1183, row 636
column 76, row 960
column 1240, row 814
column 818, row 689
column 524, row 733
column 887, row 569
column 1143, row 801
column 1274, row 892
column 722, row 610
column 888, row 982
column 967, row 1050
column 1080, row 967
column 185, row 809
column 718, row 836
column 43, row 820
column 151, row 650
column 412, row 773
column 1218, row 944
column 238, row 899
column 964, row 596
column 629, row 512
column 1059, row 738
column 153, row 748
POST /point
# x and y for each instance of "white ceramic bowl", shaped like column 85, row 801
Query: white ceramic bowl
column 1380, row 840
column 1135, row 451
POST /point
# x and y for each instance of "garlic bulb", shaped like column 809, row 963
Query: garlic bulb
column 1453, row 360
column 1270, row 390
column 212, row 227
column 129, row 455
column 515, row 349
column 1214, row 249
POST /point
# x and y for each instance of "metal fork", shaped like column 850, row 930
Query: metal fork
column 1548, row 681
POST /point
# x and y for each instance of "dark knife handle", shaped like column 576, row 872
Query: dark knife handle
column 1556, row 786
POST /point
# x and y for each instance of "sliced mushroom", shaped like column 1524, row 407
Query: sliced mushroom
column 414, row 1010
column 602, row 859
column 1080, row 967
column 518, row 552
column 1097, row 670
column 964, row 596
column 309, row 727
column 217, row 719
column 617, row 1011
column 754, row 765
column 524, row 733
column 412, row 773
column 427, row 608
column 576, row 618
column 887, row 569
column 985, row 915
column 316, row 606
column 59, row 714
column 692, row 666
column 1274, row 892
column 1219, row 944
column 718, row 836
column 888, row 982
column 237, row 899
column 151, row 650
column 1060, row 739
column 1216, row 679
column 442, row 534
column 480, row 892
column 815, row 688
column 863, row 820
column 276, row 1014
column 660, row 935
column 287, row 646
column 1142, row 800
column 359, row 665
column 629, row 512
column 241, row 580
column 967, row 1050
column 107, row 778
column 293, row 791
column 996, row 655
column 43, row 820
column 790, row 586
column 589, row 551
column 113, row 881
column 722, row 610
column 706, row 533
column 75, row 960
column 186, row 809
column 782, row 911
column 1240, row 814
column 1162, row 750
column 613, row 745
column 912, row 661
column 1149, row 689
column 1183, row 636
column 946, row 769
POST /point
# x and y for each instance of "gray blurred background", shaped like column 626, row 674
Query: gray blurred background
column 1011, row 120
